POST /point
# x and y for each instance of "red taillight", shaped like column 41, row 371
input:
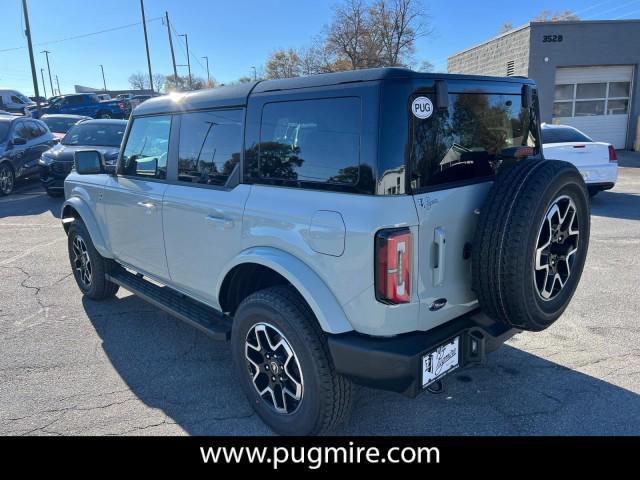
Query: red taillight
column 612, row 154
column 393, row 265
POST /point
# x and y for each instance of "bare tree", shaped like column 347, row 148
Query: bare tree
column 316, row 58
column 426, row 66
column 394, row 27
column 283, row 64
column 158, row 81
column 559, row 16
column 348, row 32
column 138, row 81
column 506, row 27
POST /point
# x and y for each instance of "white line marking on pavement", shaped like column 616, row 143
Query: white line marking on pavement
column 29, row 251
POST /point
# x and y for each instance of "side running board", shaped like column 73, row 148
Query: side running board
column 211, row 321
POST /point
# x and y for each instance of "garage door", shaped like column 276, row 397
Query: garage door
column 595, row 100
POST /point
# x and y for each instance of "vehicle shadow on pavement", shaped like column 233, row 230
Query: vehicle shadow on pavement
column 616, row 205
column 29, row 199
column 172, row 367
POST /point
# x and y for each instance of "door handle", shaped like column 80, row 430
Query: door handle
column 147, row 204
column 219, row 219
column 440, row 242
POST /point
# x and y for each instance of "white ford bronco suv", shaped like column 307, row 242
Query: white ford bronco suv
column 378, row 227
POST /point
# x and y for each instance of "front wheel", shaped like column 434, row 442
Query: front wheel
column 88, row 266
column 284, row 366
column 7, row 179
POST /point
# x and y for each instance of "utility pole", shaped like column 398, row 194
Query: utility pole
column 43, row 85
column 173, row 55
column 104, row 82
column 47, row 52
column 58, row 83
column 146, row 43
column 27, row 32
column 208, row 76
column 255, row 74
column 186, row 40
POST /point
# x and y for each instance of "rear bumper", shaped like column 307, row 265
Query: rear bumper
column 395, row 363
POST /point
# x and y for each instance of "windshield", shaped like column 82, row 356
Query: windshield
column 24, row 99
column 95, row 134
column 562, row 135
column 470, row 139
column 60, row 125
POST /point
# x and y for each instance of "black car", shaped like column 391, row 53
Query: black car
column 60, row 124
column 102, row 135
column 22, row 142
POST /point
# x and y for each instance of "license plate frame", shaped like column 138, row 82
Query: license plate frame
column 440, row 361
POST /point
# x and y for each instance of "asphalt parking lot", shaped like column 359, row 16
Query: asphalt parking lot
column 69, row 366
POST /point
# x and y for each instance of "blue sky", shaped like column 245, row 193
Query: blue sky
column 235, row 34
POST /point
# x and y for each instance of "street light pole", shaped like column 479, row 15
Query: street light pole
column 47, row 52
column 58, row 83
column 186, row 41
column 43, row 85
column 146, row 43
column 208, row 76
column 104, row 82
column 255, row 74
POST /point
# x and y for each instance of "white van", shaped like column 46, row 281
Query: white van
column 13, row 101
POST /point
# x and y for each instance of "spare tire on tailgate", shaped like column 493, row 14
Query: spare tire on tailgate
column 531, row 243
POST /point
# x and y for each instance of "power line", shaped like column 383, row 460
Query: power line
column 76, row 37
column 192, row 54
column 612, row 9
column 633, row 12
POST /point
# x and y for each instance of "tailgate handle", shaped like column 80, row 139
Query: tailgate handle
column 439, row 242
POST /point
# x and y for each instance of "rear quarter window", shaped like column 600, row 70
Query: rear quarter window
column 311, row 141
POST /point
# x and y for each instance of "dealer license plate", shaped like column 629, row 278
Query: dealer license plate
column 441, row 361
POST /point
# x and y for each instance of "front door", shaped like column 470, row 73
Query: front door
column 133, row 198
column 202, row 210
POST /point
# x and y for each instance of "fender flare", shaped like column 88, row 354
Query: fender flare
column 313, row 289
column 82, row 207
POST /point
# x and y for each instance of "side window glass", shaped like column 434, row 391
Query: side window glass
column 34, row 130
column 310, row 141
column 145, row 154
column 210, row 144
column 21, row 131
column 15, row 99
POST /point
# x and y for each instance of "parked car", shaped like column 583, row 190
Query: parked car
column 89, row 105
column 60, row 124
column 22, row 141
column 104, row 136
column 138, row 99
column 15, row 102
column 381, row 227
column 596, row 161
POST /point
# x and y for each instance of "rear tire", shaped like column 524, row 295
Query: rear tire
column 279, row 316
column 88, row 266
column 531, row 243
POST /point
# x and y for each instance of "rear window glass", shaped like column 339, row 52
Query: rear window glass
column 562, row 135
column 60, row 125
column 310, row 141
column 470, row 139
column 210, row 144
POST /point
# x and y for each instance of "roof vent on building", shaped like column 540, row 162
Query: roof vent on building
column 511, row 68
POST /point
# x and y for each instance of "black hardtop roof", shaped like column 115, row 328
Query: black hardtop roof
column 237, row 95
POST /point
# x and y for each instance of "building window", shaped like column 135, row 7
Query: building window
column 591, row 99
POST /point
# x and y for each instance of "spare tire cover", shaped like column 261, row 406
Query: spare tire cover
column 531, row 243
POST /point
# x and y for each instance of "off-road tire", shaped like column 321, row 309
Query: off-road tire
column 327, row 396
column 99, row 288
column 507, row 237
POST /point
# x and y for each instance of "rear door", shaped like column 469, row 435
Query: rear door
column 202, row 208
column 455, row 153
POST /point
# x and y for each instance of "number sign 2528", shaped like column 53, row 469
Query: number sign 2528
column 551, row 38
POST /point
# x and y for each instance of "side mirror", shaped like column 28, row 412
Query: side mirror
column 88, row 162
column 19, row 141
